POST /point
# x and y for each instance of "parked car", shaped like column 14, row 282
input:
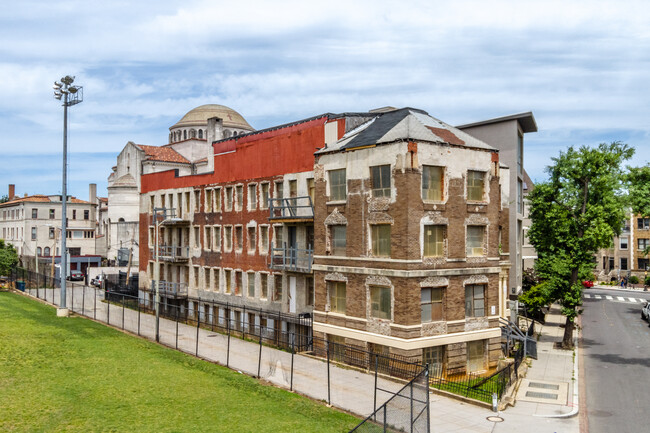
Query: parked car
column 588, row 284
column 98, row 280
column 645, row 311
column 76, row 276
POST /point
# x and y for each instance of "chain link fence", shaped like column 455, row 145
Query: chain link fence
column 273, row 346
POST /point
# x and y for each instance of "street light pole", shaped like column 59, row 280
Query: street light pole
column 72, row 95
column 156, row 272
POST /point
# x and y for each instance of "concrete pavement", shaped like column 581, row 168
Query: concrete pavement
column 552, row 374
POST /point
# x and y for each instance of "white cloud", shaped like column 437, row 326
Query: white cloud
column 582, row 67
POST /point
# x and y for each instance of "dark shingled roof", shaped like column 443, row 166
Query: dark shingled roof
column 382, row 124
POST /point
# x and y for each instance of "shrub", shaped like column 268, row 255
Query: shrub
column 634, row 279
column 647, row 281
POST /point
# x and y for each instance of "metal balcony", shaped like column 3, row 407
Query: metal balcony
column 167, row 216
column 171, row 253
column 169, row 289
column 293, row 209
column 291, row 259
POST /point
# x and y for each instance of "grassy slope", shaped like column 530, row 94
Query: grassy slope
column 76, row 375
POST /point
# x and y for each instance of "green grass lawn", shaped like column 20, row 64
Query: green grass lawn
column 74, row 375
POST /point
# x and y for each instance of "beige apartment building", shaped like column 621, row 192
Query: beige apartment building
column 32, row 224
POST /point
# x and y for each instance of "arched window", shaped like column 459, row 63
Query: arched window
column 46, row 251
column 39, row 251
column 200, row 133
column 185, row 134
column 192, row 133
column 227, row 134
column 121, row 220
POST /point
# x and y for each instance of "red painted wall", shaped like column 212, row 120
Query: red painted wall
column 271, row 153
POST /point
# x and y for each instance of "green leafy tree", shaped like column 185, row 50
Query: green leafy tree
column 8, row 257
column 638, row 180
column 574, row 214
column 4, row 199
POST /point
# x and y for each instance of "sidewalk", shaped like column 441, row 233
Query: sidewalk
column 551, row 374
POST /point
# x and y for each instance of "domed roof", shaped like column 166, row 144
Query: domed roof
column 199, row 117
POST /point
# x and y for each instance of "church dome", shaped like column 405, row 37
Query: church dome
column 199, row 117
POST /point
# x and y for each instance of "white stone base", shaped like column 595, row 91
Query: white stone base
column 62, row 312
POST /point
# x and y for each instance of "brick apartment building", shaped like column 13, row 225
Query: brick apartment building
column 385, row 226
column 625, row 257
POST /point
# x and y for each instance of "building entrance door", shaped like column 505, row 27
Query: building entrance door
column 292, row 294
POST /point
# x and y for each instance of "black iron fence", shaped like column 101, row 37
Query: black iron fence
column 406, row 411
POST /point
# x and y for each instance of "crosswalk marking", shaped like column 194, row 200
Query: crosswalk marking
column 618, row 298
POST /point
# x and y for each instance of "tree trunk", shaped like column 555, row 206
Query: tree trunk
column 567, row 340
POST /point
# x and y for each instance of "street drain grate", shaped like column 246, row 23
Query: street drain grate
column 543, row 385
column 541, row 395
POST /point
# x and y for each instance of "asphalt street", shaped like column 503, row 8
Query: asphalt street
column 616, row 354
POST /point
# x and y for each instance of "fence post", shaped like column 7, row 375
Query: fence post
column 177, row 308
column 72, row 296
column 95, row 304
column 138, row 314
column 108, row 308
column 375, row 396
column 426, row 376
column 259, row 361
column 411, row 422
column 293, row 352
column 198, row 323
column 37, row 285
column 83, row 300
column 329, row 396
column 228, row 348
column 123, row 312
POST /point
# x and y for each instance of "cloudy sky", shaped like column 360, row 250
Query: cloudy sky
column 581, row 67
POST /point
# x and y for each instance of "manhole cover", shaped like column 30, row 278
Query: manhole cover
column 494, row 419
column 544, row 385
column 541, row 395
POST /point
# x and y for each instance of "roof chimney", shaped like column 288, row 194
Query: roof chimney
column 92, row 193
column 12, row 191
column 215, row 130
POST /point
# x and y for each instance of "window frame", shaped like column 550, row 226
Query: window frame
column 339, row 245
column 337, row 295
column 379, row 176
column 438, row 244
column 482, row 230
column 252, row 198
column 429, row 189
column 439, row 303
column 471, row 185
column 376, row 237
column 381, row 296
column 338, row 186
column 471, row 301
